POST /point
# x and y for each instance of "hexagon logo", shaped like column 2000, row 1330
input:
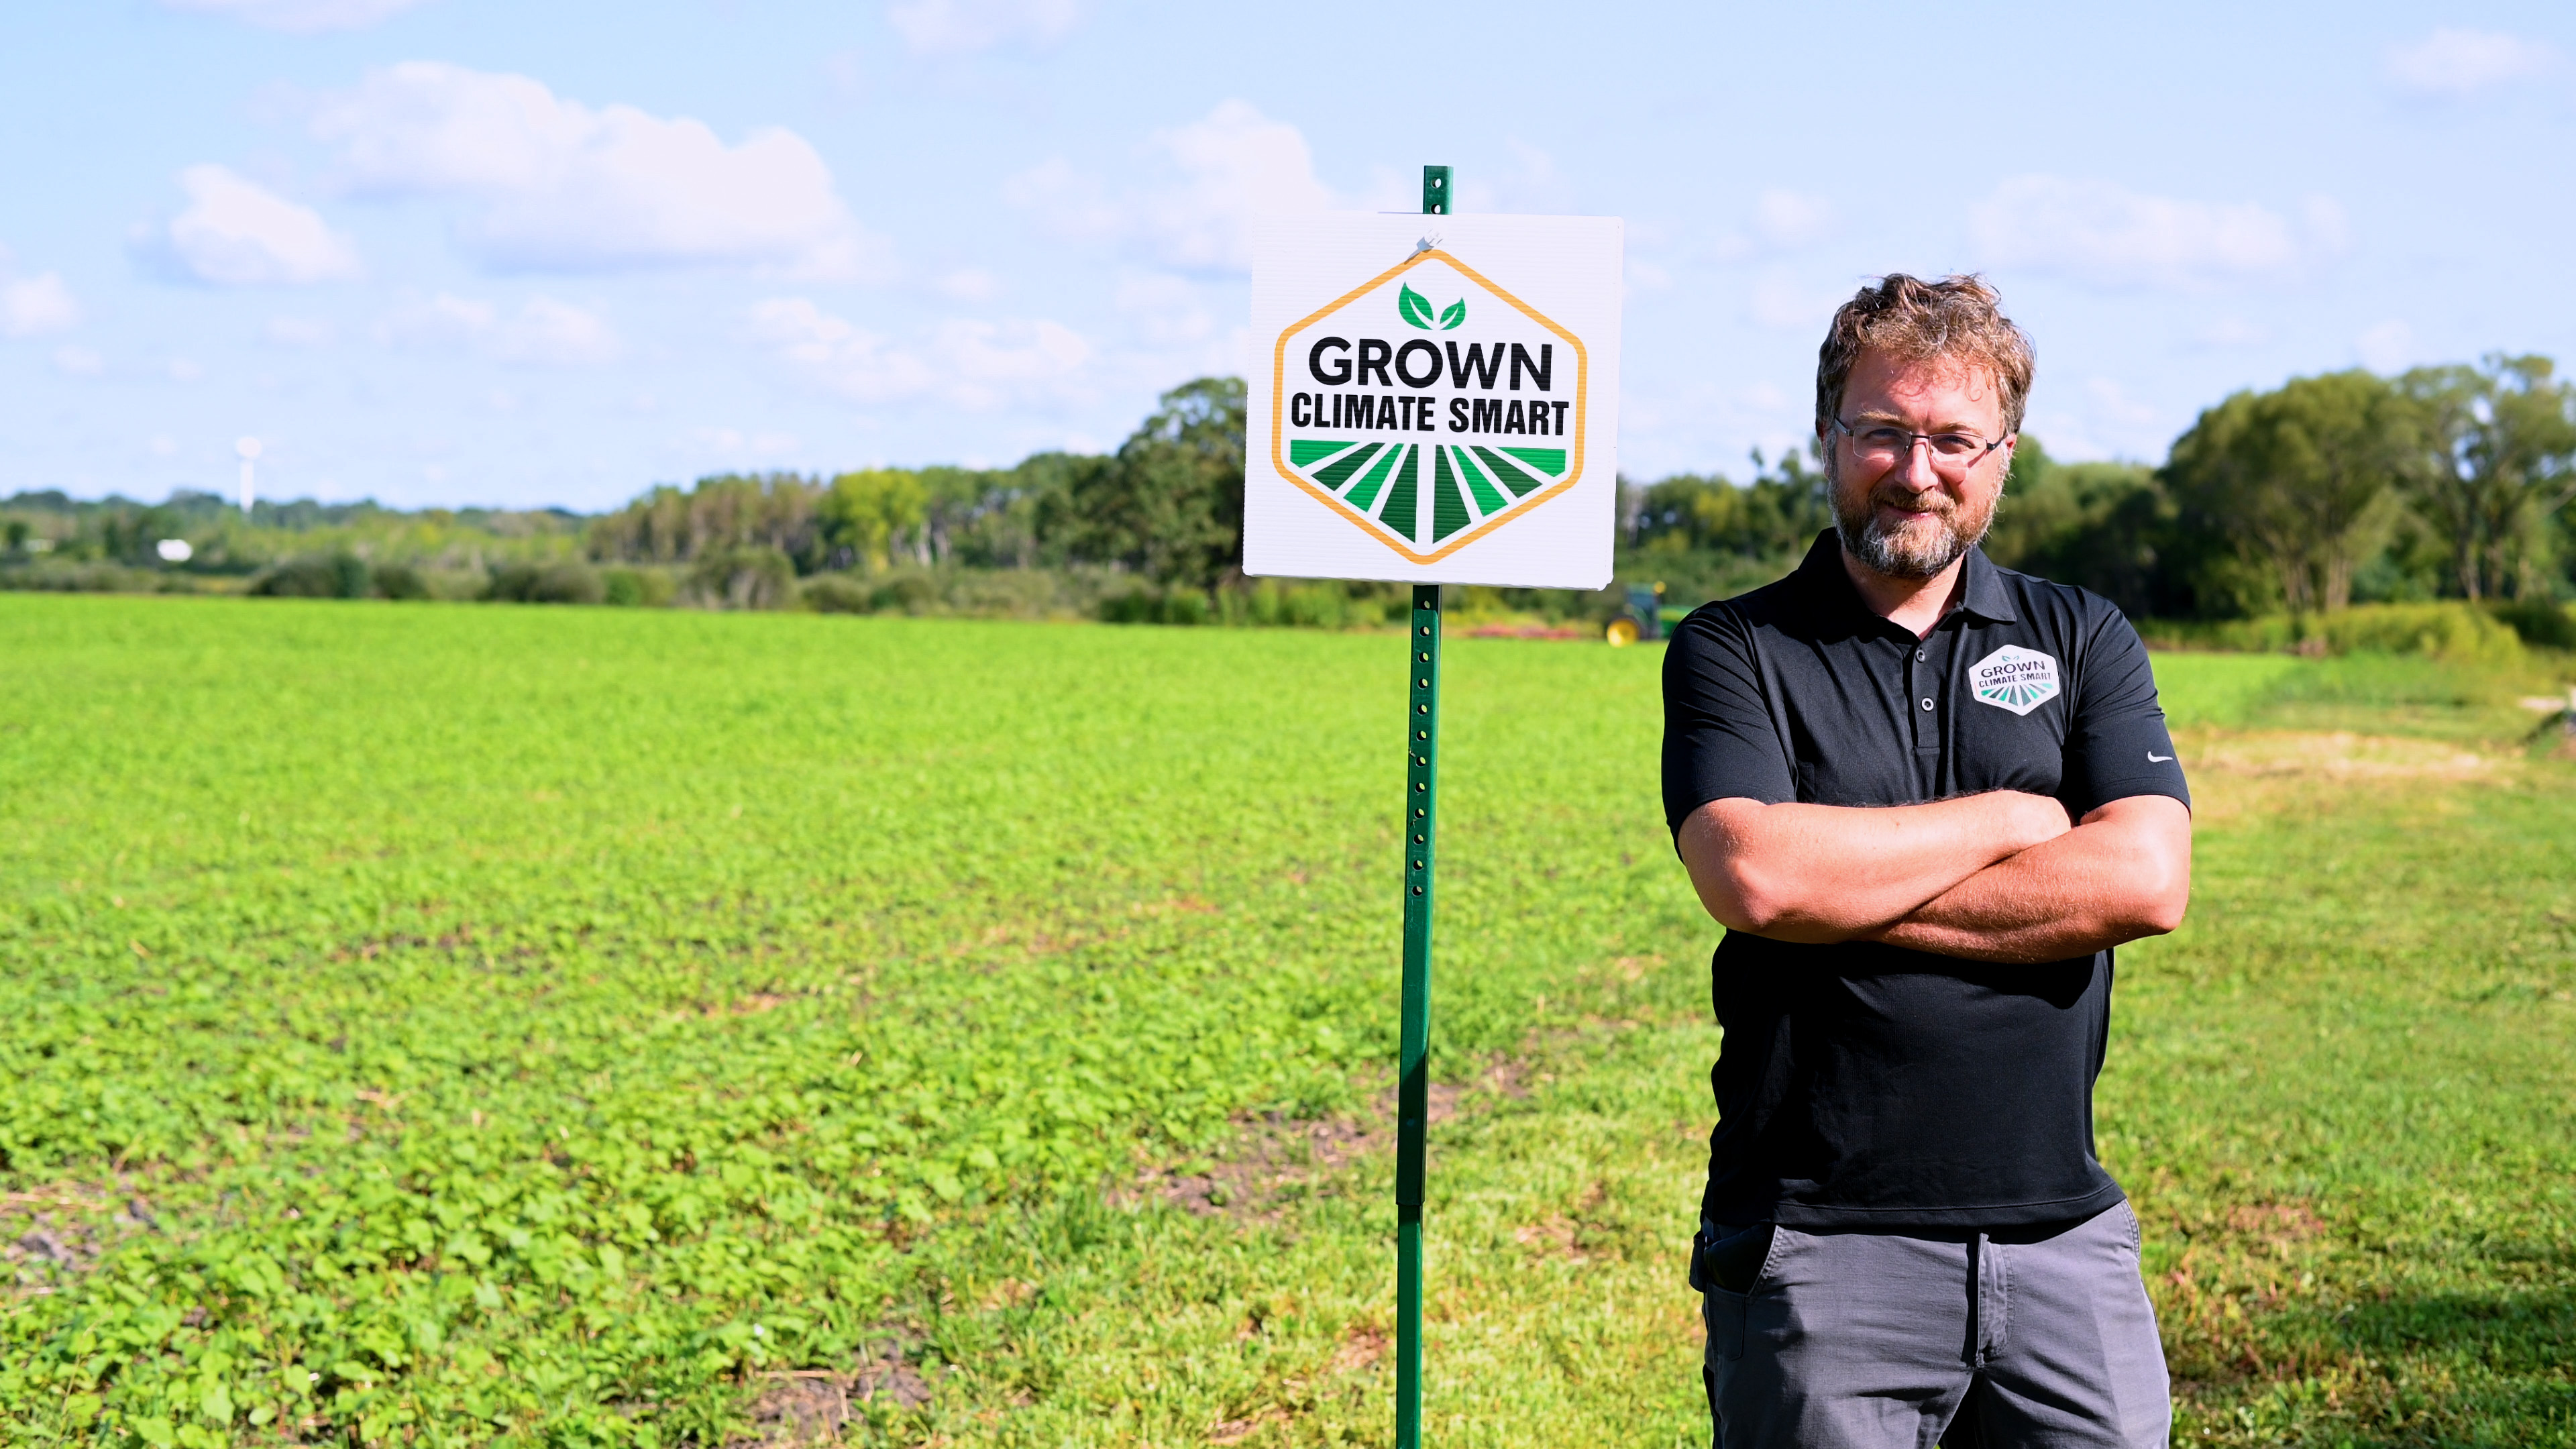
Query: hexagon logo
column 2014, row 678
column 1429, row 407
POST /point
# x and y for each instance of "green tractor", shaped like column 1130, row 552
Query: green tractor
column 1642, row 618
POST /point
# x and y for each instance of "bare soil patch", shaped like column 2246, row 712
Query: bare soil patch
column 801, row 1407
column 2340, row 755
column 1274, row 1157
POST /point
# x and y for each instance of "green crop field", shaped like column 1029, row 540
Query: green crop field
column 438, row 1025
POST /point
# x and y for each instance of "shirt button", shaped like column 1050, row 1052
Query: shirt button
column 1920, row 656
column 1927, row 704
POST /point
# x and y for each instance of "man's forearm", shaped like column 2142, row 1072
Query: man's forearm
column 1813, row 873
column 2122, row 874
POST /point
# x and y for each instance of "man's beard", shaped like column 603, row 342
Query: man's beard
column 1915, row 550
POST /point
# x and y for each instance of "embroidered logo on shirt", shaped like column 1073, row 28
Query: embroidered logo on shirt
column 2014, row 678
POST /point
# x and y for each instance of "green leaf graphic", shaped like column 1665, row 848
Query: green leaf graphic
column 1413, row 307
column 1456, row 314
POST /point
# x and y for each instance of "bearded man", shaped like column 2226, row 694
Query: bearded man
column 1926, row 796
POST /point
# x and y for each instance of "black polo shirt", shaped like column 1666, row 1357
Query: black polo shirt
column 1862, row 1084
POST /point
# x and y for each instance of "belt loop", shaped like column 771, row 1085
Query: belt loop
column 1985, row 1304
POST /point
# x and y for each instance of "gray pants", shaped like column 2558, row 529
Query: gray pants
column 1855, row 1340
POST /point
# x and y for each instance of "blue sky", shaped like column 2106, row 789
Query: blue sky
column 462, row 251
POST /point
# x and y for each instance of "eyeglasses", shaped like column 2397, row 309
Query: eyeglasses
column 1953, row 454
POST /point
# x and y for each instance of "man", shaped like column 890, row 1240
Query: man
column 1926, row 796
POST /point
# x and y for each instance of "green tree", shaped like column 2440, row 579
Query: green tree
column 870, row 511
column 2497, row 461
column 721, row 513
column 1170, row 507
column 2298, row 479
column 2105, row 526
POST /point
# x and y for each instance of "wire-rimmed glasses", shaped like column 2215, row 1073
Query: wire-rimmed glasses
column 1884, row 445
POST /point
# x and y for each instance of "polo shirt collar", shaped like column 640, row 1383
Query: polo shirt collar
column 1982, row 592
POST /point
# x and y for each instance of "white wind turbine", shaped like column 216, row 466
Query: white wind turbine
column 246, row 449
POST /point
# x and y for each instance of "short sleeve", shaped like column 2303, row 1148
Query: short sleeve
column 2117, row 744
column 1720, row 739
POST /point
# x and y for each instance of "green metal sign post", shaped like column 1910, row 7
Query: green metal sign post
column 1413, row 1070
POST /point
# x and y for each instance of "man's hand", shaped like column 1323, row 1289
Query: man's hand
column 2125, row 872
column 1822, row 873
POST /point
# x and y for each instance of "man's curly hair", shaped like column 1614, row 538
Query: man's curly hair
column 1958, row 318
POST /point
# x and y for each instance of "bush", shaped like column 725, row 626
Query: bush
column 634, row 588
column 908, row 592
column 1007, row 593
column 2541, row 623
column 754, row 577
column 93, row 578
column 837, row 594
column 400, row 581
column 563, row 582
column 2455, row 632
column 1147, row 606
column 317, row 576
column 1279, row 603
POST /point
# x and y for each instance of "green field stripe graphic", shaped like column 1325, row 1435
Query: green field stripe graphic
column 1400, row 512
column 1302, row 451
column 1488, row 502
column 1448, row 508
column 1365, row 493
column 1550, row 461
column 1510, row 475
column 1334, row 475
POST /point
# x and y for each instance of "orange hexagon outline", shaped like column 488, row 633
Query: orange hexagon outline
column 1279, row 412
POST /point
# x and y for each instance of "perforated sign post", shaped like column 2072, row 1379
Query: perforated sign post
column 1440, row 406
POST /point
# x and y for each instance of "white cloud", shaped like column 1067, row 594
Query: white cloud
column 445, row 318
column 543, row 332
column 2386, row 347
column 2452, row 64
column 299, row 17
column 237, row 233
column 1781, row 303
column 2104, row 420
column 298, row 332
column 962, row 27
column 1069, row 202
column 553, row 184
column 1783, row 221
column 34, row 306
column 1166, row 308
column 968, row 284
column 1531, row 184
column 733, row 442
column 79, row 361
column 1787, row 219
column 2102, row 234
column 1220, row 172
column 969, row 364
column 556, row 334
column 2231, row 332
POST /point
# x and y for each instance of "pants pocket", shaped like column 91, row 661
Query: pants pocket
column 1725, row 1309
column 1723, row 1312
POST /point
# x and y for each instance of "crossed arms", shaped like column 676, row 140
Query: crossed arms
column 1994, row 877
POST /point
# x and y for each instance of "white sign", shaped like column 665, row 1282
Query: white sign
column 1436, row 399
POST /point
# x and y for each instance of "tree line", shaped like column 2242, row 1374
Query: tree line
column 2441, row 482
column 1166, row 507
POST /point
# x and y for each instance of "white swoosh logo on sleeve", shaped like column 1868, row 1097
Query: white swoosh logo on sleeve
column 2155, row 759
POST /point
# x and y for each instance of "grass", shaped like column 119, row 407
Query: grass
column 442, row 1026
